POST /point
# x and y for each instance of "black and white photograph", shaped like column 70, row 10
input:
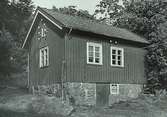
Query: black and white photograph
column 83, row 58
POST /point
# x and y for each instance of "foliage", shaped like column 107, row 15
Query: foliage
column 19, row 13
column 72, row 10
column 5, row 45
column 147, row 18
column 13, row 27
column 110, row 9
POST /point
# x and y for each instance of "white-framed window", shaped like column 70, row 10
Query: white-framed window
column 44, row 57
column 114, row 88
column 117, row 56
column 94, row 53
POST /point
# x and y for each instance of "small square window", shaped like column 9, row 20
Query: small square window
column 114, row 89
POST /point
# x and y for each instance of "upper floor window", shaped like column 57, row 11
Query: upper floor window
column 117, row 56
column 94, row 53
column 114, row 88
column 44, row 57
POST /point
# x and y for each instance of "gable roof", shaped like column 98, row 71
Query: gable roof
column 67, row 21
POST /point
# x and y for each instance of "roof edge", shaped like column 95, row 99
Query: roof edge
column 42, row 12
column 37, row 12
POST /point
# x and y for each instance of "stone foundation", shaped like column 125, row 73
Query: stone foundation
column 81, row 93
column 52, row 90
column 126, row 92
column 85, row 93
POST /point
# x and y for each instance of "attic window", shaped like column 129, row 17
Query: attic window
column 42, row 31
column 114, row 88
column 117, row 57
column 94, row 53
column 44, row 57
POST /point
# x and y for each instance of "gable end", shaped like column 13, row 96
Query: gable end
column 32, row 25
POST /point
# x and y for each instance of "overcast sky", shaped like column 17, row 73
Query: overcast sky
column 81, row 4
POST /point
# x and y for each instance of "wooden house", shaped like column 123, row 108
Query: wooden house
column 101, row 63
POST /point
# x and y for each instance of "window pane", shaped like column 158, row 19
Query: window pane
column 119, row 62
column 97, row 60
column 46, row 57
column 42, row 32
column 90, row 54
column 113, row 51
column 97, row 49
column 46, row 51
column 42, row 58
column 119, row 52
column 113, row 57
column 97, row 54
column 113, row 62
column 119, row 57
column 90, row 48
column 90, row 59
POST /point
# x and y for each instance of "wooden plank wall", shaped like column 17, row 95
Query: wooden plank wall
column 79, row 71
column 52, row 73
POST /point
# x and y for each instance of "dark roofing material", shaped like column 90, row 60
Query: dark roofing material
column 94, row 27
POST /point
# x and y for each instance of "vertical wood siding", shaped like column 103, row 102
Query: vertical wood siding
column 52, row 73
column 79, row 71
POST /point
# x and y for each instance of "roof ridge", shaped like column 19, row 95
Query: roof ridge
column 82, row 18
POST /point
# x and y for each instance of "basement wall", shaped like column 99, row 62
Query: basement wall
column 86, row 93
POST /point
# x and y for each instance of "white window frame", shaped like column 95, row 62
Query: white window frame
column 100, row 51
column 122, row 56
column 113, row 87
column 42, row 57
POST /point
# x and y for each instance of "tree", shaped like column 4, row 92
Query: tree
column 5, row 52
column 72, row 10
column 148, row 18
column 110, row 9
column 17, row 25
column 13, row 27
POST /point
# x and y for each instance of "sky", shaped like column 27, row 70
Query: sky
column 81, row 4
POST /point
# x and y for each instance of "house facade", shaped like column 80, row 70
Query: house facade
column 89, row 62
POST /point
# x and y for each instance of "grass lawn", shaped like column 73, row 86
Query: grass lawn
column 16, row 102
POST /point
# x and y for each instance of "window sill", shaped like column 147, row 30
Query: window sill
column 44, row 67
column 117, row 66
column 114, row 94
column 94, row 63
